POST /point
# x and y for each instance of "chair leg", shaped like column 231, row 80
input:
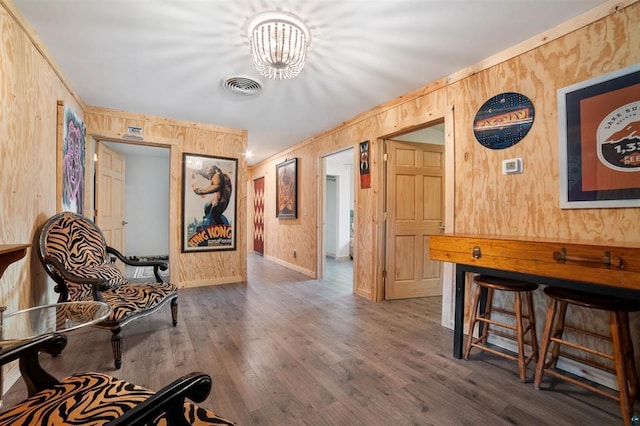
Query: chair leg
column 174, row 311
column 116, row 347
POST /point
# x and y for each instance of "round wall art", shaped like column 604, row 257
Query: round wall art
column 503, row 120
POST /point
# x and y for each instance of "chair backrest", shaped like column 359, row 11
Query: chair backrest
column 79, row 245
column 74, row 240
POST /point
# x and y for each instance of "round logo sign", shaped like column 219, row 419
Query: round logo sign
column 618, row 138
column 503, row 120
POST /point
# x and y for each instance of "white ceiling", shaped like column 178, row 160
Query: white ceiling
column 168, row 57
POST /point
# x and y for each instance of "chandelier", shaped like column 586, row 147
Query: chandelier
column 278, row 44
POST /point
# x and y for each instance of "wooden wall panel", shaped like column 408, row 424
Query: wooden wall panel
column 528, row 204
column 29, row 91
column 485, row 201
column 188, row 269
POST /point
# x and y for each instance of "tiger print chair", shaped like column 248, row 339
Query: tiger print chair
column 74, row 253
column 100, row 399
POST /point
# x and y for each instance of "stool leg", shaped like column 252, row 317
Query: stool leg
column 532, row 324
column 546, row 340
column 486, row 312
column 519, row 337
column 629, row 356
column 558, row 331
column 617, row 330
column 472, row 321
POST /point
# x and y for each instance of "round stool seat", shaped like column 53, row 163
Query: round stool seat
column 504, row 284
column 591, row 300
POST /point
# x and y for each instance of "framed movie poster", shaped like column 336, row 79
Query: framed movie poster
column 287, row 189
column 599, row 132
column 208, row 202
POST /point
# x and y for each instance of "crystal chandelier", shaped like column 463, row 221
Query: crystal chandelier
column 278, row 44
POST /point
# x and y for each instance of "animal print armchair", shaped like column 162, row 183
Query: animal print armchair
column 75, row 254
column 99, row 399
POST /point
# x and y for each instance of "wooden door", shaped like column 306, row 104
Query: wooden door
column 415, row 210
column 258, row 215
column 110, row 196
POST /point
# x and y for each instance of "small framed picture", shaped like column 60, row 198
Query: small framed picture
column 287, row 189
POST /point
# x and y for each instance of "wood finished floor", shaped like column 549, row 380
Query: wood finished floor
column 287, row 350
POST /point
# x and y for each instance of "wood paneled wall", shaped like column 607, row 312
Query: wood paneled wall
column 485, row 201
column 187, row 269
column 29, row 90
column 528, row 204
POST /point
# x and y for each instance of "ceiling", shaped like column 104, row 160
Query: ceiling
column 169, row 57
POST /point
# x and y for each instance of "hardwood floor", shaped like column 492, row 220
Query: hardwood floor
column 287, row 350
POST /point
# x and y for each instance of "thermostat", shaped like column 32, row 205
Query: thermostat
column 512, row 166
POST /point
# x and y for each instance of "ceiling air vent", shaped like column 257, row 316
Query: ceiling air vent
column 244, row 86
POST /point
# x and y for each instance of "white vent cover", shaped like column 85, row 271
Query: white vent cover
column 244, row 86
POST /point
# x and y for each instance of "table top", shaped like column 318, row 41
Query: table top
column 607, row 264
column 60, row 317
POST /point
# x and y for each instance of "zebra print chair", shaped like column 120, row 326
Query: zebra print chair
column 99, row 399
column 74, row 253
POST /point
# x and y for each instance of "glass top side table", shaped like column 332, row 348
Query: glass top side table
column 26, row 324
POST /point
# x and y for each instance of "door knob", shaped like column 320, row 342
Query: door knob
column 124, row 222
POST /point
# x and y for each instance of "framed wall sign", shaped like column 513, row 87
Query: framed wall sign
column 599, row 138
column 287, row 189
column 503, row 120
column 208, row 202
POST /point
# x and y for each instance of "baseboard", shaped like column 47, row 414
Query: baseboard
column 210, row 282
column 292, row 266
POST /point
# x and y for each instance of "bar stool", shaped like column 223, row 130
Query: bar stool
column 518, row 288
column 622, row 347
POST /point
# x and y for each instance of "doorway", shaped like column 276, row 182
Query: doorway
column 145, row 199
column 415, row 208
column 337, row 215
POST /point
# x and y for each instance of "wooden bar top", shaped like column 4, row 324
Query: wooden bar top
column 613, row 264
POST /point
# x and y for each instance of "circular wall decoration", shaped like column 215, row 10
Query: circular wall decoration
column 503, row 120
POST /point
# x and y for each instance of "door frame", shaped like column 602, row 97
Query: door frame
column 174, row 164
column 322, row 193
column 448, row 271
